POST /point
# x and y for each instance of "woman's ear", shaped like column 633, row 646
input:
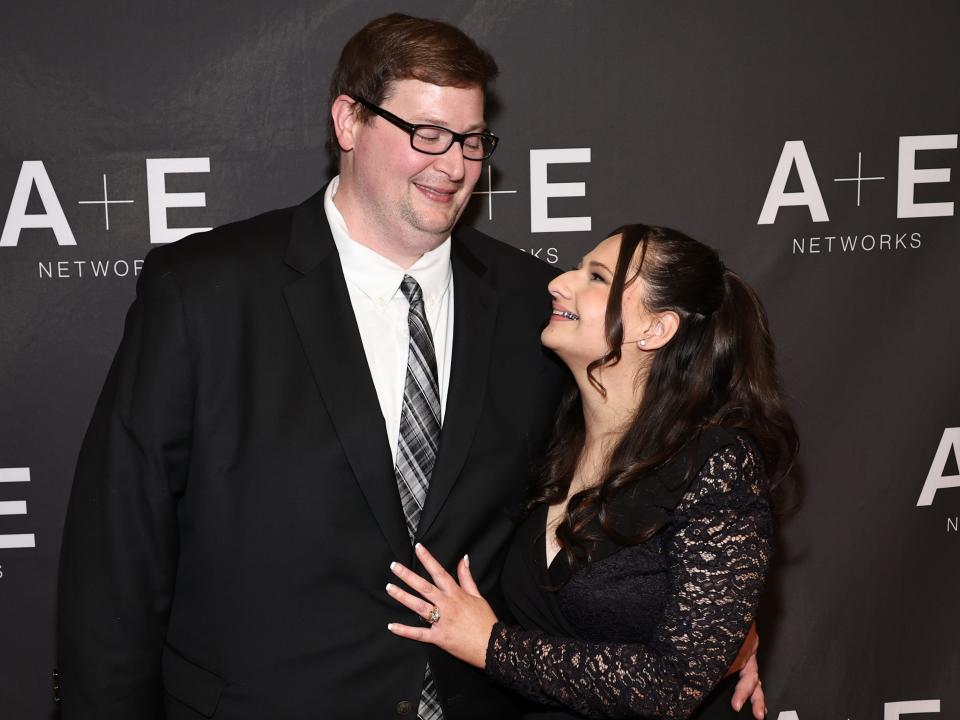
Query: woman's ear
column 345, row 121
column 663, row 326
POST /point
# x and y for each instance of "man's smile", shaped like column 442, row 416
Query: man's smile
column 435, row 193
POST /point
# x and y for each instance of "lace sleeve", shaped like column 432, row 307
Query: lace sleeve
column 718, row 554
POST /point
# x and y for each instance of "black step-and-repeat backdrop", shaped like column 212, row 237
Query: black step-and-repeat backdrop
column 815, row 144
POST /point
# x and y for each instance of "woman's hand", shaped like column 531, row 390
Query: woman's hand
column 749, row 686
column 465, row 619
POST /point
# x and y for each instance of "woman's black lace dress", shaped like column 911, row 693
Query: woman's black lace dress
column 649, row 629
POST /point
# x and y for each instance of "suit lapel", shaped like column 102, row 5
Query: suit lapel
column 324, row 318
column 474, row 313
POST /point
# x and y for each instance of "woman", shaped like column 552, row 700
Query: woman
column 637, row 570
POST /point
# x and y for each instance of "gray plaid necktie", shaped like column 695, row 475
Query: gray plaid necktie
column 418, row 443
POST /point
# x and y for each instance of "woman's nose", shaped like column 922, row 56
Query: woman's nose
column 559, row 287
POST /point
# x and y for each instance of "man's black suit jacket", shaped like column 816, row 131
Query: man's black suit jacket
column 235, row 509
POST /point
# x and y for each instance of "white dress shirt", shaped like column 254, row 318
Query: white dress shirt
column 381, row 311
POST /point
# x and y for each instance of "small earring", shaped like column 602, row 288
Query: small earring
column 642, row 343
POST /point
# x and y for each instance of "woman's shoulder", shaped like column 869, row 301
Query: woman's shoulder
column 729, row 468
column 714, row 438
column 703, row 450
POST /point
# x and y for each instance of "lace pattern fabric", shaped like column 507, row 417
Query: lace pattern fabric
column 717, row 549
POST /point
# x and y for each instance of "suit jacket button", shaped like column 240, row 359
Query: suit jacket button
column 404, row 707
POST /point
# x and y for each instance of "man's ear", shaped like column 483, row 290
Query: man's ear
column 345, row 121
column 663, row 326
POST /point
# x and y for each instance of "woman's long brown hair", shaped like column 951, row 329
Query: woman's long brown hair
column 718, row 369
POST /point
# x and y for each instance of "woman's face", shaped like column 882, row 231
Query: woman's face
column 576, row 329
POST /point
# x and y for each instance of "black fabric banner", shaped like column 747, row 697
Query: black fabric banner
column 814, row 144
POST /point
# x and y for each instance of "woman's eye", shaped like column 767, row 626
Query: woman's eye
column 597, row 276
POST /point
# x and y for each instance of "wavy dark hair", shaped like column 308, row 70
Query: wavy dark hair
column 719, row 369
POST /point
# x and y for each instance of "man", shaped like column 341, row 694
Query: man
column 268, row 439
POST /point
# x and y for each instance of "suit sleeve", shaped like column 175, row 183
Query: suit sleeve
column 119, row 552
column 718, row 555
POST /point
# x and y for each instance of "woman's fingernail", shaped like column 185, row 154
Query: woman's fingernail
column 418, row 547
column 466, row 560
column 393, row 566
column 390, row 627
column 390, row 587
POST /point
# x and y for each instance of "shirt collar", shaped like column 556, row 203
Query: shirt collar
column 372, row 273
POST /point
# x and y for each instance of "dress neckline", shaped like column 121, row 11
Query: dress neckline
column 648, row 506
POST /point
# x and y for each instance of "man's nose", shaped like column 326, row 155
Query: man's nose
column 452, row 162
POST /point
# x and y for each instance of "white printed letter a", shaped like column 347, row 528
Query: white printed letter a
column 936, row 480
column 33, row 174
column 794, row 153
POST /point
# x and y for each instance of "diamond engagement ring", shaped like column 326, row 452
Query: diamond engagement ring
column 434, row 615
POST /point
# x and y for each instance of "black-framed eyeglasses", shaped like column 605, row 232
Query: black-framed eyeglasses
column 436, row 140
